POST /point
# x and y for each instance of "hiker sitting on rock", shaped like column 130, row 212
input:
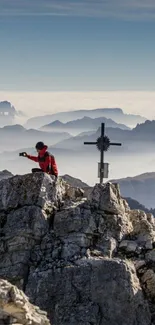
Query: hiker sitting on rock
column 46, row 161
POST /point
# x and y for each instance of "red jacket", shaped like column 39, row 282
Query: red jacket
column 46, row 161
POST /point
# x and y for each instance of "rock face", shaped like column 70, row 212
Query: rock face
column 69, row 254
column 4, row 174
column 14, row 303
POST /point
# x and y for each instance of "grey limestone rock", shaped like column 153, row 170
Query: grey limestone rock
column 97, row 291
column 62, row 250
column 15, row 304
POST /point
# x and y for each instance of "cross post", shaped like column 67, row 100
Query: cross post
column 103, row 143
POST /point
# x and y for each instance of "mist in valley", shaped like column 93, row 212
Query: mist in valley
column 65, row 140
column 84, row 164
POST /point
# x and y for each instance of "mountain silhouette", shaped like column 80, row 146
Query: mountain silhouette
column 116, row 114
column 84, row 124
column 16, row 136
column 140, row 187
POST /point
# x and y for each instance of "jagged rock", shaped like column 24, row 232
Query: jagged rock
column 142, row 234
column 107, row 198
column 150, row 256
column 97, row 291
column 128, row 245
column 107, row 246
column 31, row 189
column 139, row 264
column 76, row 183
column 148, row 283
column 4, row 174
column 143, row 226
column 149, row 244
column 73, row 192
column 14, row 303
column 62, row 250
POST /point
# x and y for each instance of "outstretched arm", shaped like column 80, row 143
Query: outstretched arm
column 34, row 158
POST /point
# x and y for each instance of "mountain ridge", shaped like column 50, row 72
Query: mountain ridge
column 115, row 134
column 16, row 136
column 84, row 124
column 115, row 114
column 140, row 187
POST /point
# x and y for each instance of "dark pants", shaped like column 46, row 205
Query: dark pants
column 36, row 170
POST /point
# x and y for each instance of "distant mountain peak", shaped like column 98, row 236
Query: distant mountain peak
column 57, row 122
column 16, row 127
column 8, row 113
column 74, row 181
column 147, row 125
column 6, row 108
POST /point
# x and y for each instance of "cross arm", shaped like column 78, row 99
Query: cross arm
column 90, row 142
column 115, row 144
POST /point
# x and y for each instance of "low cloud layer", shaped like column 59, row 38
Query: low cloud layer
column 41, row 103
column 120, row 9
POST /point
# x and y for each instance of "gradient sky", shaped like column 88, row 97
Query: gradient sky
column 58, row 45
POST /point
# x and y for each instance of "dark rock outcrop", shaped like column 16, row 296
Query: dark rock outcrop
column 4, row 174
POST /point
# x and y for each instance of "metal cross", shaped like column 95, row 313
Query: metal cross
column 103, row 143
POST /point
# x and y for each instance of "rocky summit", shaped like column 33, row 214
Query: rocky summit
column 67, row 258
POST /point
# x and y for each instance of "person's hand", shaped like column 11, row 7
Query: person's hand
column 23, row 154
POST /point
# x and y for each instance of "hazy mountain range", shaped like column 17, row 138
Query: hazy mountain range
column 116, row 114
column 82, row 125
column 141, row 136
column 135, row 156
column 16, row 136
column 135, row 205
column 140, row 187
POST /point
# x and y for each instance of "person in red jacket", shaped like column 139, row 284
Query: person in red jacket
column 46, row 161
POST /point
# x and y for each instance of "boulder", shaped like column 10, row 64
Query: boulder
column 94, row 291
column 107, row 198
column 36, row 189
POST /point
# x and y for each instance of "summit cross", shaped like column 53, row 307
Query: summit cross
column 103, row 143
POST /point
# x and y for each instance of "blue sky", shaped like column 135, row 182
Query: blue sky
column 52, row 45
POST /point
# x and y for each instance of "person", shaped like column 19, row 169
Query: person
column 46, row 161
